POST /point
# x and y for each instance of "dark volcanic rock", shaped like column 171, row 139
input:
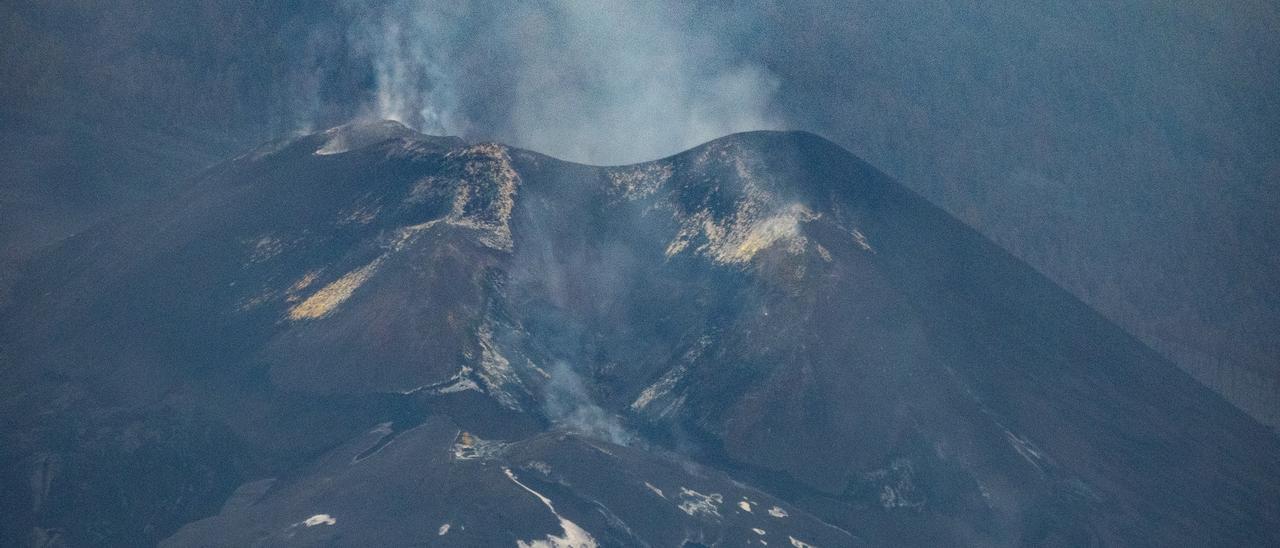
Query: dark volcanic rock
column 439, row 485
column 764, row 318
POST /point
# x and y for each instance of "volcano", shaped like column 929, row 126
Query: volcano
column 370, row 336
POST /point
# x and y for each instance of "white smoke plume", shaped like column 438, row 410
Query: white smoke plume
column 604, row 82
column 410, row 87
column 569, row 405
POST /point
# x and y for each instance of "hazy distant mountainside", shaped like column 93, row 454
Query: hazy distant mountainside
column 1130, row 152
column 372, row 336
column 104, row 107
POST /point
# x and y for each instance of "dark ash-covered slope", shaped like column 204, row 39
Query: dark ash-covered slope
column 409, row 331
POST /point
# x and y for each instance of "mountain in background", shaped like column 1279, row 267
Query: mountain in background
column 1129, row 153
column 369, row 335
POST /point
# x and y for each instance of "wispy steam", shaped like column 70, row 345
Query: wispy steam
column 597, row 82
column 568, row 404
column 409, row 85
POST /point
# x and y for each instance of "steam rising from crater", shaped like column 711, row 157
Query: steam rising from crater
column 569, row 405
column 410, row 85
column 599, row 82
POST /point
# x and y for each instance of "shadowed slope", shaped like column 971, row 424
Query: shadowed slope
column 765, row 305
